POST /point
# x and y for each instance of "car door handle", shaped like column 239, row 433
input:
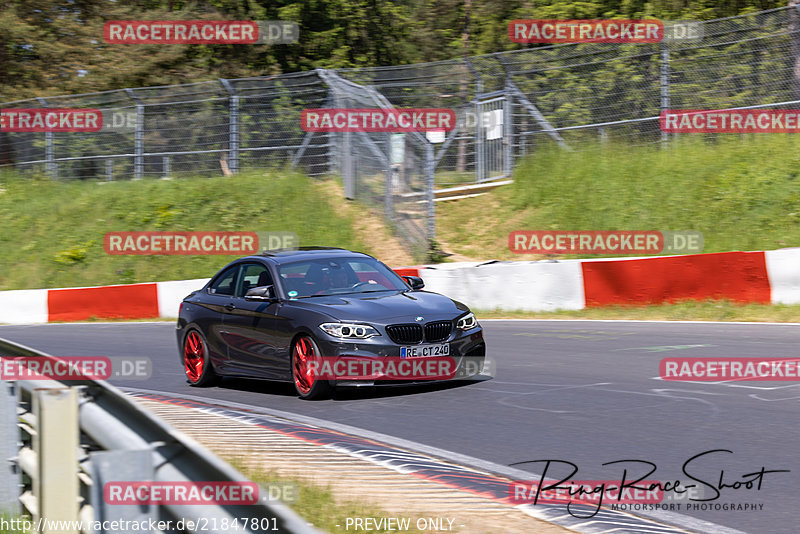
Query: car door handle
column 230, row 307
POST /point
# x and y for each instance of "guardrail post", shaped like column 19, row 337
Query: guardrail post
column 138, row 136
column 120, row 466
column 55, row 443
column 9, row 445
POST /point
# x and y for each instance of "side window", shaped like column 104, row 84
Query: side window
column 224, row 284
column 253, row 275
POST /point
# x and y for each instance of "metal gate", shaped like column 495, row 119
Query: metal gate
column 492, row 146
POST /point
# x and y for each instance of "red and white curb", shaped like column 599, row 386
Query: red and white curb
column 771, row 277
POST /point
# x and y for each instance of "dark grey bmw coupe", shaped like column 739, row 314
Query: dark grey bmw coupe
column 298, row 315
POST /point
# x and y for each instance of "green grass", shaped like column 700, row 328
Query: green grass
column 741, row 192
column 710, row 310
column 318, row 504
column 52, row 232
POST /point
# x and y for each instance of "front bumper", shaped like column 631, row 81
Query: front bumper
column 467, row 349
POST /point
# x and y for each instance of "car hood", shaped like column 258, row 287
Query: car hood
column 385, row 307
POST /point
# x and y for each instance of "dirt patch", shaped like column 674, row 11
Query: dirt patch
column 369, row 227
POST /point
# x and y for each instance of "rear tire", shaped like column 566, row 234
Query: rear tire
column 196, row 362
column 304, row 375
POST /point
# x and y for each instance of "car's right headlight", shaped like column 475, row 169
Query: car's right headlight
column 468, row 322
column 349, row 330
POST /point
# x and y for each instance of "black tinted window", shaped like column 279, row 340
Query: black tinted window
column 224, row 284
column 253, row 275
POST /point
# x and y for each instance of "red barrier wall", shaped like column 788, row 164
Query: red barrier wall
column 137, row 301
column 736, row 276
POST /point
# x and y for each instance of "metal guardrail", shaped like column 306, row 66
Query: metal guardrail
column 63, row 440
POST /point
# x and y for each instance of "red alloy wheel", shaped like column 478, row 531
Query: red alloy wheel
column 194, row 356
column 303, row 373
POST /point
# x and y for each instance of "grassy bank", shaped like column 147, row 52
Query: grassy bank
column 52, row 232
column 741, row 192
column 319, row 504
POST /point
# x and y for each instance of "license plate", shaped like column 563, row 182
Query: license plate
column 425, row 351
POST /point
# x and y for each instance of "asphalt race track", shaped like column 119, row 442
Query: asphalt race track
column 586, row 392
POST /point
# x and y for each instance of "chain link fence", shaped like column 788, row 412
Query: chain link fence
column 508, row 105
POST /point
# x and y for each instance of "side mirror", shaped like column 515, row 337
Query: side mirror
column 261, row 293
column 415, row 282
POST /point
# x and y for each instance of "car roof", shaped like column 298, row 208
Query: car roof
column 309, row 253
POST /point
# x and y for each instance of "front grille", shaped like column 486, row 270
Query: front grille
column 404, row 334
column 438, row 331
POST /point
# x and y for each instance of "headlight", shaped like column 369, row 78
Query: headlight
column 468, row 322
column 349, row 330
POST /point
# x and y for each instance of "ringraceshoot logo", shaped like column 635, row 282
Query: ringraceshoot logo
column 377, row 120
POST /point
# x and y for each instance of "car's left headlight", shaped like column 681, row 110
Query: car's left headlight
column 468, row 322
column 349, row 330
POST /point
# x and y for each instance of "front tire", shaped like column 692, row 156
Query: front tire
column 304, row 375
column 196, row 362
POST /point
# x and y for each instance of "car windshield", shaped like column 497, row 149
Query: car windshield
column 338, row 276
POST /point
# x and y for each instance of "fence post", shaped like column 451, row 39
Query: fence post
column 49, row 148
column 9, row 445
column 388, row 207
column 55, row 443
column 138, row 136
column 664, row 87
column 429, row 184
column 233, row 127
column 476, row 109
column 508, row 117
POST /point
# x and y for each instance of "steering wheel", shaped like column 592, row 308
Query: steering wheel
column 357, row 284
